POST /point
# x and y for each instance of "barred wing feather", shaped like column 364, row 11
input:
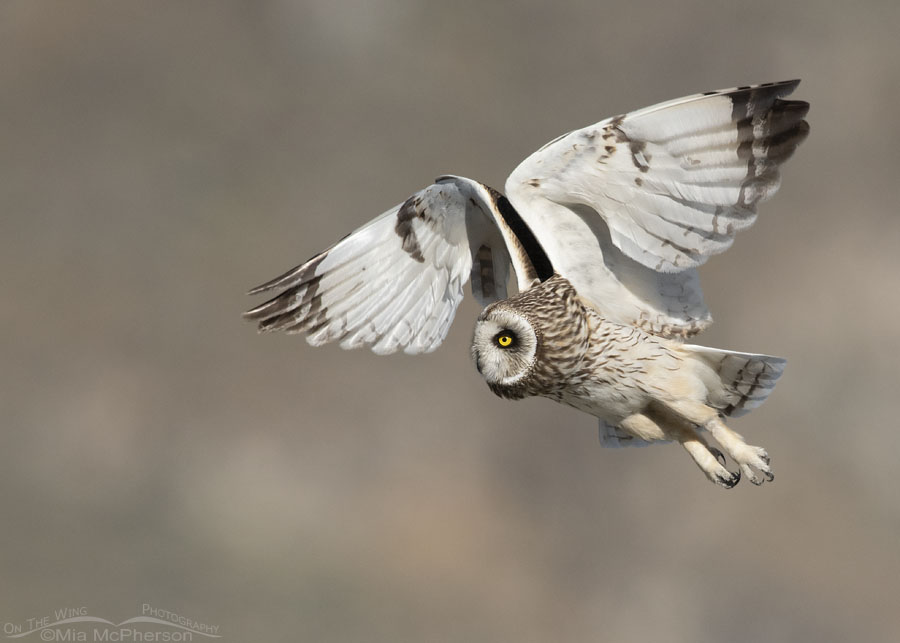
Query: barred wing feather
column 396, row 282
column 629, row 207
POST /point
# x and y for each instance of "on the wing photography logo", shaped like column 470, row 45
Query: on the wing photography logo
column 78, row 624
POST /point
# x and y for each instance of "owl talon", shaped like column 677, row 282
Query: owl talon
column 728, row 479
column 718, row 455
column 753, row 459
column 750, row 475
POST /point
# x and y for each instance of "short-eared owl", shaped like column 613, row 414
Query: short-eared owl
column 604, row 228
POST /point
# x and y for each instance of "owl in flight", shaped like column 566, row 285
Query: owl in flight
column 604, row 228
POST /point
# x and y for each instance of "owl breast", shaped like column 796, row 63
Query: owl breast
column 623, row 370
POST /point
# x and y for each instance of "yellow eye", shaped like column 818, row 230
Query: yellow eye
column 504, row 340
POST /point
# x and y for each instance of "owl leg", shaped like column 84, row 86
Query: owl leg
column 708, row 459
column 750, row 458
column 640, row 426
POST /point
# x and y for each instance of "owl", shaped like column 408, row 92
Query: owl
column 603, row 228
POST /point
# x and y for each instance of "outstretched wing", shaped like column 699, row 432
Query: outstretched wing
column 627, row 208
column 396, row 282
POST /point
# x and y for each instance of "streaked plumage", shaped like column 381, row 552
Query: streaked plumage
column 604, row 228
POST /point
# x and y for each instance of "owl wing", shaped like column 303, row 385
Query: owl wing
column 396, row 282
column 626, row 209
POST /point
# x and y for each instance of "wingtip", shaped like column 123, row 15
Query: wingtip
column 291, row 277
column 273, row 283
column 787, row 87
column 250, row 315
column 792, row 83
column 779, row 88
column 264, row 310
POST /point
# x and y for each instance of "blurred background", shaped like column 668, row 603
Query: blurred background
column 157, row 159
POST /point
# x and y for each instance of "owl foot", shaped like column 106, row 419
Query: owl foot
column 709, row 459
column 718, row 455
column 725, row 478
column 752, row 459
column 722, row 476
column 717, row 472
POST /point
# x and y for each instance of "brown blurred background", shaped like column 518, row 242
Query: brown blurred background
column 159, row 158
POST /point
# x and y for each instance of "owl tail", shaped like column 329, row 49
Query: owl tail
column 737, row 382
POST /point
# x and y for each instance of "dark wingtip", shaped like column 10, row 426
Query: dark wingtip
column 779, row 88
column 258, row 289
column 797, row 108
column 791, row 84
column 291, row 277
column 277, row 305
column 256, row 312
column 273, row 283
column 787, row 86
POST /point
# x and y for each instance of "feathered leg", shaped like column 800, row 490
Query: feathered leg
column 750, row 458
column 709, row 460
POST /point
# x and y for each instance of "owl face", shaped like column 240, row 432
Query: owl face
column 504, row 347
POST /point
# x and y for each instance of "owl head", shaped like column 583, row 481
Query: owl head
column 532, row 343
column 505, row 346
